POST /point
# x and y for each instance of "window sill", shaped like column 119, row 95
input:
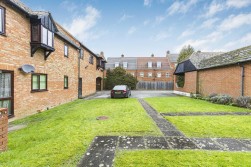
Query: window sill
column 34, row 91
column 3, row 34
column 66, row 88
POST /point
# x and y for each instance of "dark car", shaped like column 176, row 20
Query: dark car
column 120, row 91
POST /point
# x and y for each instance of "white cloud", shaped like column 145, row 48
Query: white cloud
column 186, row 33
column 81, row 26
column 159, row 19
column 235, row 21
column 125, row 17
column 162, row 36
column 243, row 41
column 147, row 2
column 238, row 3
column 132, row 30
column 68, row 5
column 181, row 6
column 214, row 8
column 146, row 22
column 209, row 23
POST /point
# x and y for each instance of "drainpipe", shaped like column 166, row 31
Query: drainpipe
column 242, row 78
column 79, row 70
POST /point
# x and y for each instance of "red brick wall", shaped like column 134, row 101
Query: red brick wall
column 247, row 80
column 225, row 80
column 3, row 129
column 190, row 83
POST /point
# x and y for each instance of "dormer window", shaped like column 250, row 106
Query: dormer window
column 116, row 64
column 42, row 34
column 158, row 64
column 125, row 65
column 149, row 64
column 2, row 20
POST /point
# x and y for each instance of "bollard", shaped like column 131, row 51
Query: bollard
column 3, row 129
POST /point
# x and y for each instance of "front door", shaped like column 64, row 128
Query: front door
column 6, row 91
column 80, row 87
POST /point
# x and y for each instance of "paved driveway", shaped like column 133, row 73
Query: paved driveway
column 135, row 94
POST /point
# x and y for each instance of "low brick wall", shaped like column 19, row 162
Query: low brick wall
column 3, row 129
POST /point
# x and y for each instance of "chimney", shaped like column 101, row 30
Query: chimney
column 122, row 55
column 102, row 54
column 152, row 55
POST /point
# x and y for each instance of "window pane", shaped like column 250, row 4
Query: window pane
column 6, row 104
column 1, row 20
column 66, row 82
column 5, row 85
column 66, row 50
column 35, row 33
column 34, row 82
column 44, row 36
column 50, row 38
column 42, row 81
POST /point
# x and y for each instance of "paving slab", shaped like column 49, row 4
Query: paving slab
column 206, row 144
column 181, row 143
column 173, row 134
column 231, row 144
column 156, row 143
column 127, row 142
column 101, row 152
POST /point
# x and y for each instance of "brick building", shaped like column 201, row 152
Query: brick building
column 41, row 64
column 151, row 72
column 221, row 73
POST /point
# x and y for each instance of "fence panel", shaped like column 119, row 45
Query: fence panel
column 147, row 85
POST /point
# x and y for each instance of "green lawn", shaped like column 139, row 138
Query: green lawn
column 60, row 136
column 213, row 126
column 175, row 158
column 186, row 104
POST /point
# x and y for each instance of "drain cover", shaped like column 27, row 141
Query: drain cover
column 102, row 118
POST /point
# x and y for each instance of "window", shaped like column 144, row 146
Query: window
column 125, row 65
column 66, row 82
column 116, row 64
column 2, row 20
column 66, row 50
column 47, row 35
column 150, row 65
column 39, row 82
column 141, row 74
column 91, row 59
column 150, row 74
column 132, row 73
column 167, row 75
column 81, row 55
column 158, row 75
column 158, row 64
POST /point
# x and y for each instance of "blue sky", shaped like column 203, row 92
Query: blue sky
column 145, row 27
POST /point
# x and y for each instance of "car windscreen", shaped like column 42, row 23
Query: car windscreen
column 119, row 88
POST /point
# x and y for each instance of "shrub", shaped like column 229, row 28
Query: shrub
column 221, row 99
column 180, row 81
column 243, row 101
column 212, row 95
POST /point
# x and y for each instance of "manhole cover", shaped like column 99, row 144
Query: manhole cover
column 102, row 118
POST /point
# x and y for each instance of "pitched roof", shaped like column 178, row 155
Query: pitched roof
column 131, row 62
column 232, row 57
column 173, row 57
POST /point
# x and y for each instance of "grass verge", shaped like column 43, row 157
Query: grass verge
column 60, row 136
column 213, row 126
column 177, row 158
column 186, row 104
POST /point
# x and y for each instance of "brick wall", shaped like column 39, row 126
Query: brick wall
column 247, row 80
column 225, row 80
column 3, row 129
column 15, row 52
column 190, row 83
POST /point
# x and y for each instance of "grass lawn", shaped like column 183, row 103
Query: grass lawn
column 175, row 158
column 213, row 126
column 186, row 104
column 60, row 136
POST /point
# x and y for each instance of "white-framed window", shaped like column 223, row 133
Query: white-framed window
column 141, row 74
column 167, row 75
column 116, row 64
column 125, row 65
column 66, row 50
column 159, row 75
column 47, row 36
column 2, row 20
column 158, row 64
column 150, row 64
column 150, row 74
